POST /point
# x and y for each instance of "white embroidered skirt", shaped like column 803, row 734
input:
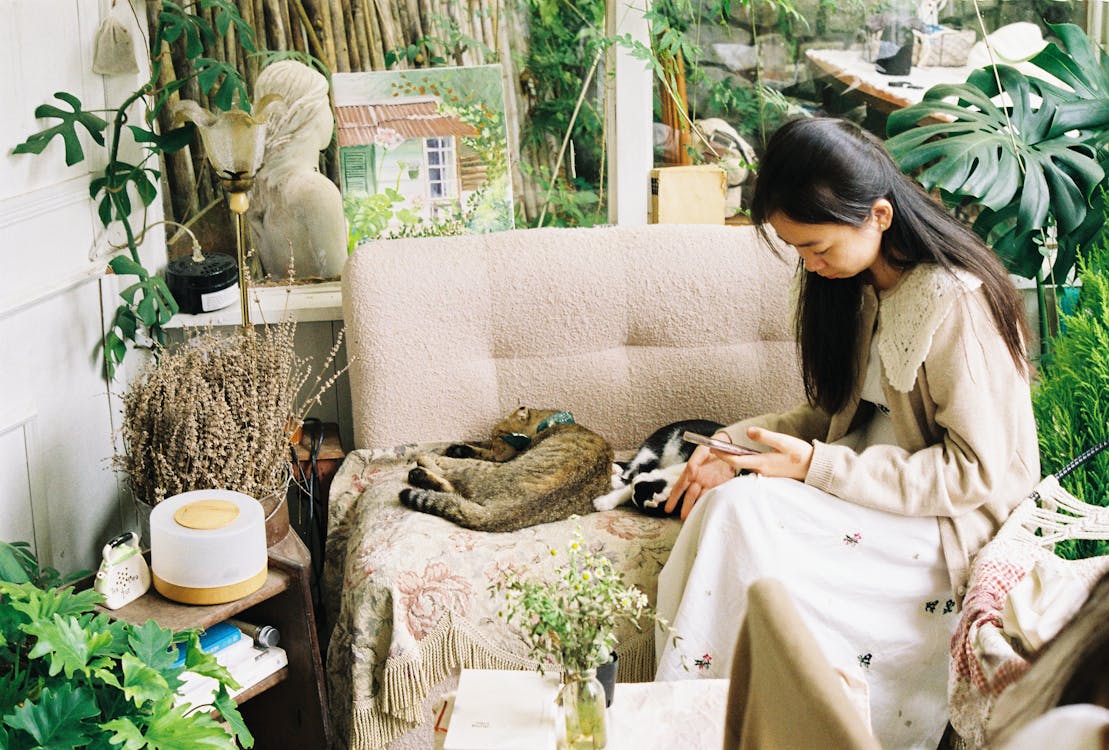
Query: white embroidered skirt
column 871, row 586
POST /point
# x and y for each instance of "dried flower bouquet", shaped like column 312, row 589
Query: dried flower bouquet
column 216, row 411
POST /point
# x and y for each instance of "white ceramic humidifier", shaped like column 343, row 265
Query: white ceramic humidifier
column 208, row 546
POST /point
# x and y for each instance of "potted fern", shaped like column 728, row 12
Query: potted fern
column 72, row 677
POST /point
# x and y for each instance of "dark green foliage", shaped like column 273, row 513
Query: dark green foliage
column 72, row 678
column 1033, row 165
column 1071, row 400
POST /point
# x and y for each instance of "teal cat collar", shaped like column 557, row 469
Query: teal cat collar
column 561, row 417
column 517, row 440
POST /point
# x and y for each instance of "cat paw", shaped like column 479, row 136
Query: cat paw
column 421, row 477
column 460, row 450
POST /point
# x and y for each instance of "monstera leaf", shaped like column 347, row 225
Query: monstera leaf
column 1028, row 151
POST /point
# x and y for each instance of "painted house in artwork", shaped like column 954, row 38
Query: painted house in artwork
column 410, row 145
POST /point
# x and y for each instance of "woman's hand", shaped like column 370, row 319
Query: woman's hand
column 702, row 472
column 788, row 457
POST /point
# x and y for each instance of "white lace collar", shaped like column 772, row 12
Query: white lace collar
column 909, row 315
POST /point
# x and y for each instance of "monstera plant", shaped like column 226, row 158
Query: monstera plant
column 1029, row 152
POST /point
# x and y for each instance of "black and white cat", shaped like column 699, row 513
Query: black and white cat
column 646, row 479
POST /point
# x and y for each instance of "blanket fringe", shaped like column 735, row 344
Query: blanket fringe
column 449, row 647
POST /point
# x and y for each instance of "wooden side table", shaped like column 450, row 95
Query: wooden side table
column 289, row 708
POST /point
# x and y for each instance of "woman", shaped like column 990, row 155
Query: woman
column 916, row 442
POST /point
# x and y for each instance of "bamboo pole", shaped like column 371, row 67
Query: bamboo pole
column 319, row 12
column 275, row 25
column 311, row 34
column 429, row 25
column 358, row 34
column 179, row 194
column 472, row 30
column 246, row 10
column 415, row 23
column 286, row 24
column 339, row 39
column 455, row 16
column 488, row 38
column 373, row 35
column 297, row 35
column 400, row 9
column 258, row 12
column 389, row 39
column 350, row 38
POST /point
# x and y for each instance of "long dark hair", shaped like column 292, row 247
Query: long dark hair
column 826, row 171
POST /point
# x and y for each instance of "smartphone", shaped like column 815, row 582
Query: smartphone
column 720, row 445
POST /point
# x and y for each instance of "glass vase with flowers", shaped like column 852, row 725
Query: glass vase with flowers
column 568, row 622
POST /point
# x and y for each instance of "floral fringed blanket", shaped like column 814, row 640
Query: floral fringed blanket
column 408, row 594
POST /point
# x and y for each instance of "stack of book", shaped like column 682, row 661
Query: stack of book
column 237, row 652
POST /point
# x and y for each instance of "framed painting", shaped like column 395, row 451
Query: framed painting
column 423, row 152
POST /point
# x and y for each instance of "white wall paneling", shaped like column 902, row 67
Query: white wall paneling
column 24, row 515
column 56, row 420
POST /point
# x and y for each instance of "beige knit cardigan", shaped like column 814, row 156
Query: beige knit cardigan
column 962, row 412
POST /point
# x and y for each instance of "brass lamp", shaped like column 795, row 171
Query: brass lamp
column 234, row 142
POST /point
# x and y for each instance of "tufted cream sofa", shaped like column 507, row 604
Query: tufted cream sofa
column 629, row 328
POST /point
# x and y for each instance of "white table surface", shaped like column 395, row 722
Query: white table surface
column 650, row 715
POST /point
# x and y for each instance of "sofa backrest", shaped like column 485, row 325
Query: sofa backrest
column 629, row 328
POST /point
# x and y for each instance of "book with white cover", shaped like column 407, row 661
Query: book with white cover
column 496, row 709
column 247, row 666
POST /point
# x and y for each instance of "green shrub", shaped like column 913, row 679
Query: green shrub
column 1071, row 400
column 74, row 678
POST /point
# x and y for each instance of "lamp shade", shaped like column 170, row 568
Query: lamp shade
column 233, row 140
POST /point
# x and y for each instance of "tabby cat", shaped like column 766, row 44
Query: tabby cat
column 539, row 466
column 646, row 479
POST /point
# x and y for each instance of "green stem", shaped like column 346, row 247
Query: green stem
column 1041, row 307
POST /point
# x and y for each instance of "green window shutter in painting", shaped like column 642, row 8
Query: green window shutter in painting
column 353, row 168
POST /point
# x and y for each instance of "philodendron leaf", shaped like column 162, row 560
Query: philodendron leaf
column 1014, row 162
column 174, row 22
column 151, row 643
column 171, row 728
column 142, row 683
column 57, row 719
column 44, row 604
column 11, row 569
column 66, row 645
column 67, row 129
column 124, row 265
column 167, row 143
column 125, row 734
column 230, row 712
